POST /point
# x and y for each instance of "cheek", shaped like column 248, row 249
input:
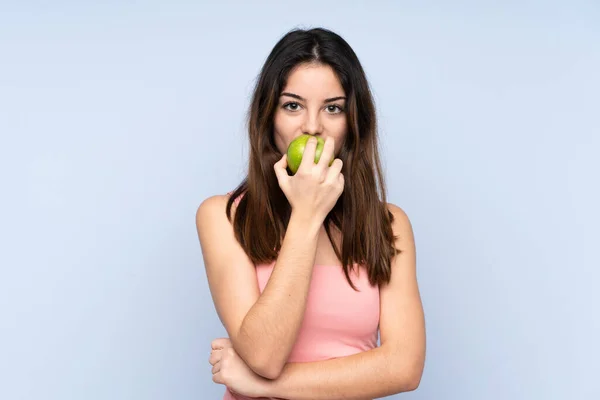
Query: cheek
column 279, row 135
column 280, row 143
column 340, row 136
column 339, row 143
column 281, row 132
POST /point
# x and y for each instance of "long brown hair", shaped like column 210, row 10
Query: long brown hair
column 360, row 213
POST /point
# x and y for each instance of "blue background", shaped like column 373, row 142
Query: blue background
column 118, row 118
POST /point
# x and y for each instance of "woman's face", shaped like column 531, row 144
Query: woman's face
column 312, row 102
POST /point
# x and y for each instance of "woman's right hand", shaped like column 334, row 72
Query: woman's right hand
column 315, row 188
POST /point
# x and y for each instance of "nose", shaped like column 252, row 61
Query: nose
column 312, row 123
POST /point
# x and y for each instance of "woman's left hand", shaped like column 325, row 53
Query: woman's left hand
column 230, row 370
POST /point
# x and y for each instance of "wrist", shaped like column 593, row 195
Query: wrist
column 269, row 388
column 307, row 221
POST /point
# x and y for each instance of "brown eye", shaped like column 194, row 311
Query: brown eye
column 334, row 109
column 291, row 106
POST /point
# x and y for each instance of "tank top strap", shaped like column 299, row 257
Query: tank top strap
column 236, row 200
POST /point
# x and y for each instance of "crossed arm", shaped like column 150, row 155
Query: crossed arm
column 396, row 366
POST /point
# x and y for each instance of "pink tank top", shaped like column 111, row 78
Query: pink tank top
column 338, row 321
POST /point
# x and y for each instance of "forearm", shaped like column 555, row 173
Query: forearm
column 271, row 326
column 366, row 375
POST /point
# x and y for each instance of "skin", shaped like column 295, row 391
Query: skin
column 312, row 102
column 304, row 107
column 397, row 364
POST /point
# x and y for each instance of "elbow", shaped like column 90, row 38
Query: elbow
column 408, row 382
column 266, row 367
column 266, row 362
column 411, row 377
column 270, row 372
column 412, row 383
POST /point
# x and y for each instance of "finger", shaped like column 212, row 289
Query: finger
column 219, row 343
column 334, row 171
column 217, row 378
column 215, row 356
column 281, row 164
column 280, row 169
column 216, row 368
column 327, row 153
column 308, row 157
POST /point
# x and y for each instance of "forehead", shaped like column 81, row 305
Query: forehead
column 314, row 80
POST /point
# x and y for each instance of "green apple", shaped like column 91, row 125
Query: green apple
column 296, row 150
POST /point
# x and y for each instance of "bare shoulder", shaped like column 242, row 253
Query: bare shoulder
column 212, row 205
column 401, row 225
column 212, row 210
column 215, row 230
column 397, row 212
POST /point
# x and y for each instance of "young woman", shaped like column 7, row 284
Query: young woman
column 308, row 270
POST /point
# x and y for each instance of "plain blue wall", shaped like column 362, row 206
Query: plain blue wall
column 118, row 119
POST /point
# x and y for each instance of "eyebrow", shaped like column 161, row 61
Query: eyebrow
column 295, row 96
